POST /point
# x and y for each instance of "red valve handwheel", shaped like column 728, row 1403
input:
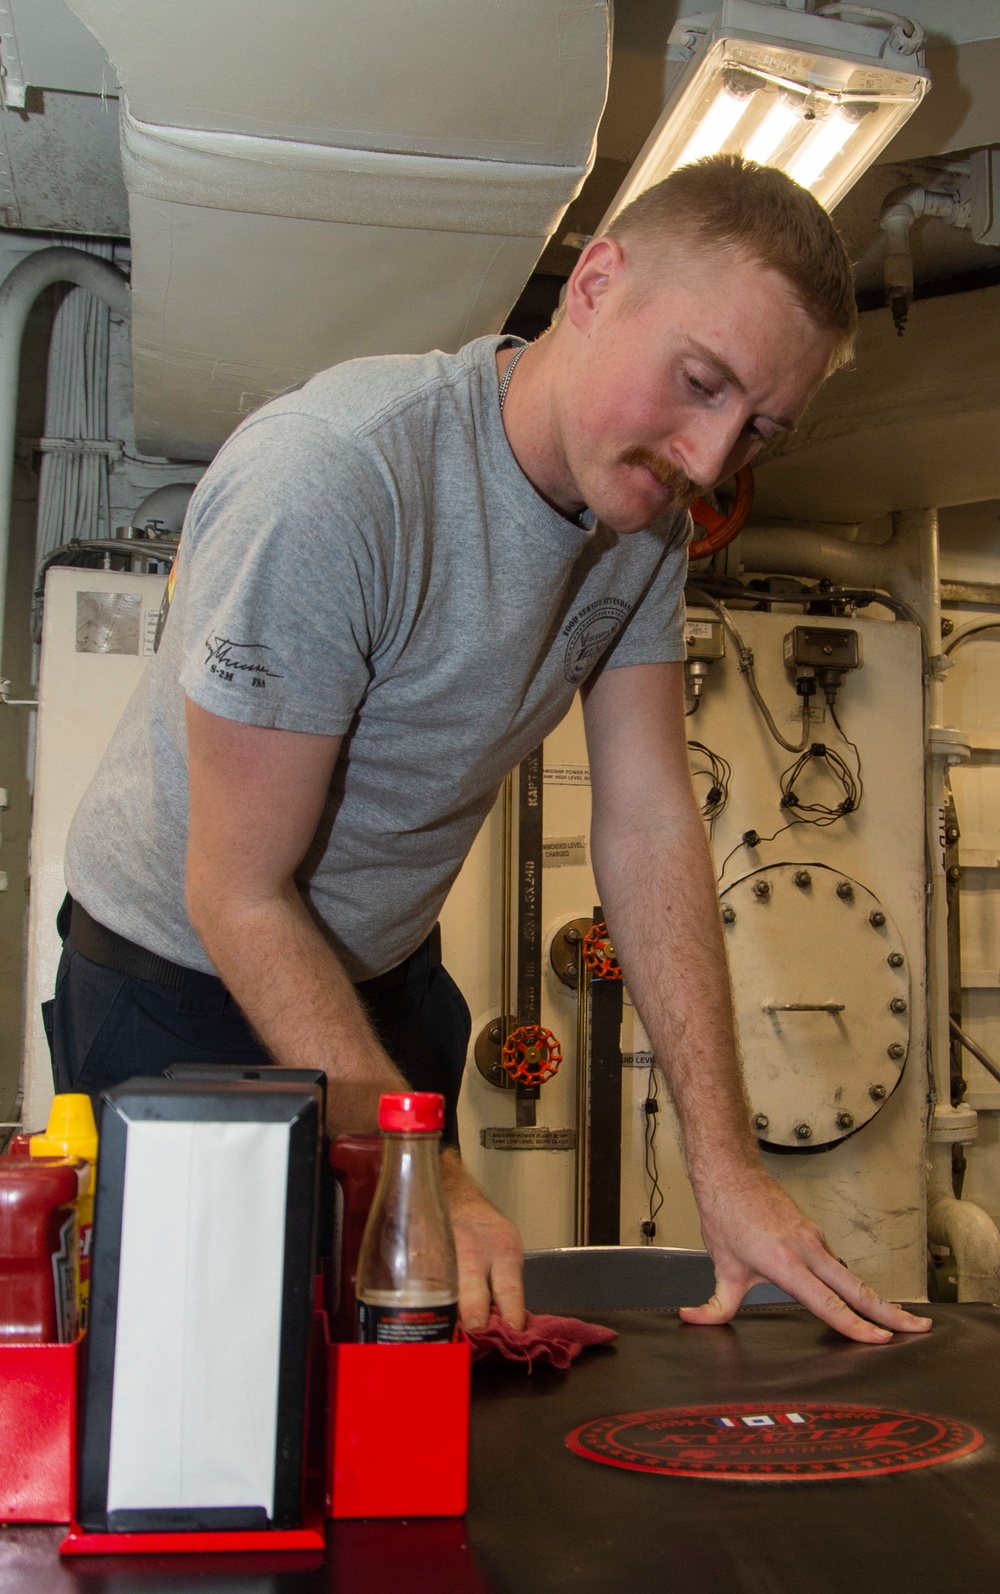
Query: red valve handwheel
column 531, row 1054
column 721, row 529
column 599, row 954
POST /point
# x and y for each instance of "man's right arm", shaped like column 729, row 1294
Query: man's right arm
column 256, row 799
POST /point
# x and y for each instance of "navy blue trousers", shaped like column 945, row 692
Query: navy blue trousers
column 104, row 1027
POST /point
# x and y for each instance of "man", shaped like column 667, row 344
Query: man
column 387, row 595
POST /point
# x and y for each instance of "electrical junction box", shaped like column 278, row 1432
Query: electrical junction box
column 704, row 640
column 822, row 648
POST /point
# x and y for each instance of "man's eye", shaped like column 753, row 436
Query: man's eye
column 701, row 388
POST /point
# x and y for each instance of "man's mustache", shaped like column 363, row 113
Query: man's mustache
column 682, row 489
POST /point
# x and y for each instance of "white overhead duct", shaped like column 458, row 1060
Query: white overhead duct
column 345, row 180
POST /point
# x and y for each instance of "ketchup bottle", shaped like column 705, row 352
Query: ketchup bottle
column 39, row 1289
column 407, row 1274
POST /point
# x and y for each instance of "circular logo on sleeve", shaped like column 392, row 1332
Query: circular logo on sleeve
column 589, row 633
column 774, row 1443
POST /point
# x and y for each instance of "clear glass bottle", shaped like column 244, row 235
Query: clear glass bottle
column 407, row 1287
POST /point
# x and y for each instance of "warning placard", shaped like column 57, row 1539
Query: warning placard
column 560, row 852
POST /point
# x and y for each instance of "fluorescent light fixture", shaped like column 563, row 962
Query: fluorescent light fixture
column 813, row 95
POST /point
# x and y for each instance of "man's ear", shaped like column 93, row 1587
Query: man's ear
column 595, row 273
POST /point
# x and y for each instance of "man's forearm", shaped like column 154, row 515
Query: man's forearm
column 659, row 897
column 299, row 1000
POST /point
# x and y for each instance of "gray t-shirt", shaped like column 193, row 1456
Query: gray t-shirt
column 364, row 558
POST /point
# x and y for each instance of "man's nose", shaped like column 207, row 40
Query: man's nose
column 709, row 450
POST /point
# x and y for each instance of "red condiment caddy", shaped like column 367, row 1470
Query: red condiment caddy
column 389, row 1422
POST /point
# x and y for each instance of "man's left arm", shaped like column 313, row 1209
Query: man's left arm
column 657, row 888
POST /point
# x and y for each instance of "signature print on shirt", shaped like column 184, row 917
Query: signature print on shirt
column 228, row 660
column 589, row 633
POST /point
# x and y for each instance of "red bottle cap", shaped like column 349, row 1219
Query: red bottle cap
column 412, row 1112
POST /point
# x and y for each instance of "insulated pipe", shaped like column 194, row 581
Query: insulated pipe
column 901, row 566
column 17, row 297
column 972, row 1237
column 805, row 551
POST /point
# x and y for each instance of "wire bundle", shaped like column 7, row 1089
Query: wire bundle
column 651, row 1107
column 73, row 496
column 719, row 773
column 818, row 813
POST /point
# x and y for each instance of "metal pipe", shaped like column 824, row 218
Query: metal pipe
column 977, row 1051
column 972, row 1237
column 582, row 1168
column 506, row 901
column 900, row 209
column 17, row 297
column 919, row 581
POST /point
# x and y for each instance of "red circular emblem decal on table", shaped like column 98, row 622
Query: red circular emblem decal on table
column 774, row 1443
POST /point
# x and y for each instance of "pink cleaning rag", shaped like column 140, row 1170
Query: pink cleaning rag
column 558, row 1340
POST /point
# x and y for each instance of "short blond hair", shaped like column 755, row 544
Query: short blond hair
column 725, row 203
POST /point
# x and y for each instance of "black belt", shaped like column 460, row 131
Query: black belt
column 100, row 945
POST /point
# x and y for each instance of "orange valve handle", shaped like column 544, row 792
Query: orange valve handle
column 531, row 1054
column 720, row 529
column 599, row 954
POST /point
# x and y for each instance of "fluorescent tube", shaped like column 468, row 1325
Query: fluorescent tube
column 825, row 141
column 781, row 117
column 714, row 127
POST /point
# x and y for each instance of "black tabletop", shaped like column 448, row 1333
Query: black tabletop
column 543, row 1520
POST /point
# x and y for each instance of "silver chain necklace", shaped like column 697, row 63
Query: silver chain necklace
column 508, row 373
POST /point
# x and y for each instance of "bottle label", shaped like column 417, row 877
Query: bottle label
column 65, row 1278
column 407, row 1325
column 336, row 1247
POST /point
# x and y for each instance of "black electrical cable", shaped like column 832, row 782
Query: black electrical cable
column 651, row 1107
column 751, row 839
column 746, row 667
column 719, row 773
column 854, row 749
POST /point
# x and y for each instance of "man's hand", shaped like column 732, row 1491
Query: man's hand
column 756, row 1234
column 489, row 1250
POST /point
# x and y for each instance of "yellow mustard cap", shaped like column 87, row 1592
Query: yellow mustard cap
column 71, row 1130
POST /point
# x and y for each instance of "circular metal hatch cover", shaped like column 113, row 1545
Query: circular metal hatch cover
column 821, row 984
column 774, row 1443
